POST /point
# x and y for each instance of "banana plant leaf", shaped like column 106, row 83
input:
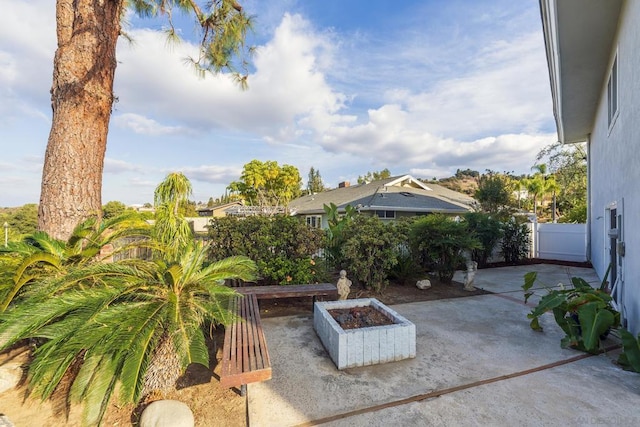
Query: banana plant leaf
column 594, row 321
column 630, row 357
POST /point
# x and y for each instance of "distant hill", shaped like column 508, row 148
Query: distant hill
column 464, row 185
column 465, row 182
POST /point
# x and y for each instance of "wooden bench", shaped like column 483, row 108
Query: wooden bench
column 291, row 291
column 245, row 357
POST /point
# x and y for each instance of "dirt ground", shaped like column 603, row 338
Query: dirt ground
column 212, row 405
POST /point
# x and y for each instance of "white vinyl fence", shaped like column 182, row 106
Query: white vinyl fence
column 564, row 242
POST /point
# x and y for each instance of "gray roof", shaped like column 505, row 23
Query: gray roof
column 400, row 193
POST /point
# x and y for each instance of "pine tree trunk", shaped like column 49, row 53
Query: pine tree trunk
column 81, row 99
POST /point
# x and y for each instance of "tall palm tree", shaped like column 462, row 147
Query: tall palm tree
column 552, row 186
column 535, row 187
column 542, row 184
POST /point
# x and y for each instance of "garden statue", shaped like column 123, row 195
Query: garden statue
column 469, row 275
column 344, row 285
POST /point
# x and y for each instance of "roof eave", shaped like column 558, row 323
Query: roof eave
column 578, row 36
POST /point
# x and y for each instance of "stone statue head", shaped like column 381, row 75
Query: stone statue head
column 343, row 274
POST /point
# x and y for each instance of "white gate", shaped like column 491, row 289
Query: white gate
column 563, row 242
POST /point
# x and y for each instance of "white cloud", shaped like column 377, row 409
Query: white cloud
column 495, row 115
column 288, row 85
column 146, row 126
column 114, row 166
column 27, row 45
column 213, row 174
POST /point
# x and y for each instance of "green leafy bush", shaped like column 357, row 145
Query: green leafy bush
column 488, row 230
column 406, row 269
column 369, row 250
column 281, row 246
column 335, row 233
column 437, row 243
column 514, row 246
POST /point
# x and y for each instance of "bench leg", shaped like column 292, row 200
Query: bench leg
column 243, row 390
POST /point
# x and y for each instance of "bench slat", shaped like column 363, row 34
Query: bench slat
column 290, row 291
column 259, row 338
column 245, row 356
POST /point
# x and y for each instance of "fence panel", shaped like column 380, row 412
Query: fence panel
column 563, row 242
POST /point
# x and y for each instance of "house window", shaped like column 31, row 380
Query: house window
column 314, row 221
column 386, row 214
column 612, row 92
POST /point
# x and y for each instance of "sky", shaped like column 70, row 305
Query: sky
column 421, row 87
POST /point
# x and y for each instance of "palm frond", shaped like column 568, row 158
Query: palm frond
column 235, row 267
column 97, row 397
column 47, row 369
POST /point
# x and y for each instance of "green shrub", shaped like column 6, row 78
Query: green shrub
column 488, row 230
column 369, row 250
column 405, row 268
column 437, row 243
column 514, row 246
column 335, row 233
column 281, row 246
column 576, row 215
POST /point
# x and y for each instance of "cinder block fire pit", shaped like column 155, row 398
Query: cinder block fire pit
column 365, row 345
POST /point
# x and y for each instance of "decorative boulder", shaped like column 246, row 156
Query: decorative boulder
column 10, row 375
column 423, row 284
column 167, row 413
column 5, row 422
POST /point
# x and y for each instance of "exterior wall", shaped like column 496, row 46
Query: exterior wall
column 219, row 213
column 614, row 167
column 199, row 224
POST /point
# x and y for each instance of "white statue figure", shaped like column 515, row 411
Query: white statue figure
column 469, row 275
column 344, row 285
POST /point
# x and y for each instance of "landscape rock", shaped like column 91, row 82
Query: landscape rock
column 423, row 284
column 5, row 422
column 10, row 375
column 167, row 413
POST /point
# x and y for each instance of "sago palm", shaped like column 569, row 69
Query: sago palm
column 132, row 323
column 40, row 256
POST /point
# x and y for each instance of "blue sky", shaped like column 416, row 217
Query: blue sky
column 419, row 87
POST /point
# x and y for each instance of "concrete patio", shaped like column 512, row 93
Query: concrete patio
column 477, row 363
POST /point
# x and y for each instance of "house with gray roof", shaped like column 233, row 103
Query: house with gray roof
column 388, row 199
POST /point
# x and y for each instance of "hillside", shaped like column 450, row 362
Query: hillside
column 461, row 182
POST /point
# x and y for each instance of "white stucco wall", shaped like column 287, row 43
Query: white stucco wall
column 615, row 165
column 199, row 224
